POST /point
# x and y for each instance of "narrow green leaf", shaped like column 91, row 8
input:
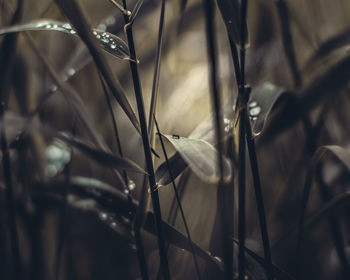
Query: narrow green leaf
column 109, row 42
column 177, row 239
column 77, row 18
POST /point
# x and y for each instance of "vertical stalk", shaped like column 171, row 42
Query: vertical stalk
column 147, row 152
column 242, row 101
column 241, row 195
column 259, row 200
column 10, row 203
column 7, row 56
column 216, row 103
column 178, row 200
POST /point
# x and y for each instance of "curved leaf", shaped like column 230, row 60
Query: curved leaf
column 336, row 42
column 102, row 157
column 106, row 195
column 204, row 131
column 342, row 155
column 201, row 157
column 262, row 100
column 109, row 42
column 111, row 220
column 74, row 13
column 177, row 239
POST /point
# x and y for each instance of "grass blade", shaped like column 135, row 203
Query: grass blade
column 7, row 56
column 178, row 200
column 109, row 42
column 214, row 86
column 201, row 158
column 147, row 151
column 75, row 15
column 344, row 157
column 259, row 201
column 177, row 239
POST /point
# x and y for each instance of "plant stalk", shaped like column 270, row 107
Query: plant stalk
column 147, row 152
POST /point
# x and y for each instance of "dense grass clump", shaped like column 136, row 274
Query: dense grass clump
column 174, row 139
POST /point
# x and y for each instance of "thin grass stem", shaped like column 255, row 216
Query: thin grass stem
column 259, row 200
column 147, row 151
column 216, row 104
column 178, row 199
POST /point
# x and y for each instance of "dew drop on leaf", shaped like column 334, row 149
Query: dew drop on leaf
column 254, row 111
column 131, row 185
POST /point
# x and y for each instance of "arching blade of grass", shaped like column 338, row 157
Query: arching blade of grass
column 177, row 239
column 77, row 18
column 147, row 149
column 277, row 272
column 333, row 223
column 204, row 131
column 178, row 200
column 330, row 46
column 344, row 157
column 201, row 158
column 106, row 195
column 109, row 42
column 215, row 90
column 7, row 56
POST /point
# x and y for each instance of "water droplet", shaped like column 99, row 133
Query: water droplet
column 53, row 88
column 48, row 26
column 113, row 224
column 226, row 121
column 113, row 46
column 72, row 32
column 95, row 33
column 70, row 72
column 131, row 185
column 98, row 36
column 104, row 40
column 103, row 216
column 227, row 128
column 253, row 104
column 55, row 26
column 57, row 156
column 51, row 170
column 255, row 111
column 67, row 26
column 126, row 191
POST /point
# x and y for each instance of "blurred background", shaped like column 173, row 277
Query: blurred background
column 319, row 40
